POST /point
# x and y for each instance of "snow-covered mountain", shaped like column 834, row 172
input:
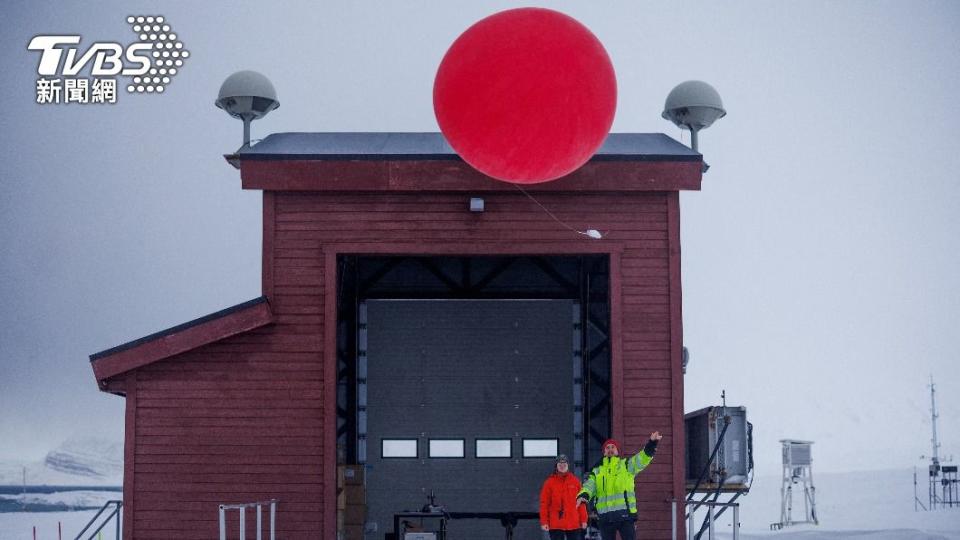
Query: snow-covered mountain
column 80, row 461
column 87, row 456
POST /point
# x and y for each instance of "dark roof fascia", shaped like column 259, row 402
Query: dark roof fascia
column 366, row 146
column 179, row 328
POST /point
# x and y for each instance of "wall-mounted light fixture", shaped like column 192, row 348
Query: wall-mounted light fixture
column 476, row 204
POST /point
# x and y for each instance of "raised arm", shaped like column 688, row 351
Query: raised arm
column 641, row 459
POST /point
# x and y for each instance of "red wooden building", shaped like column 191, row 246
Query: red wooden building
column 401, row 330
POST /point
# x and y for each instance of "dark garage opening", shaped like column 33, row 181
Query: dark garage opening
column 464, row 376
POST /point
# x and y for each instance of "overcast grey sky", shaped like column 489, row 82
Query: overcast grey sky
column 819, row 261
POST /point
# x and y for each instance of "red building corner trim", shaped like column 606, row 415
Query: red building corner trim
column 129, row 453
column 676, row 358
column 269, row 237
column 617, row 424
column 329, row 359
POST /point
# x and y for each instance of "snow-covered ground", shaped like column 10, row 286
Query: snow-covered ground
column 79, row 499
column 871, row 505
column 19, row 525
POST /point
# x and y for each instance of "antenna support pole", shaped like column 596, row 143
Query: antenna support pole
column 933, row 416
column 246, row 130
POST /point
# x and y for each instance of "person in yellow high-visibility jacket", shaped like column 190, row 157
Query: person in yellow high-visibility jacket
column 611, row 486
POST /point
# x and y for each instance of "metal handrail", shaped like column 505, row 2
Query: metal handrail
column 243, row 518
column 116, row 512
column 710, row 507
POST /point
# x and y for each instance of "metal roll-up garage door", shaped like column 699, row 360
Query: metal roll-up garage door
column 437, row 376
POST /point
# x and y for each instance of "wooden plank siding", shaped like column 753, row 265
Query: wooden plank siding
column 637, row 232
column 383, row 174
column 235, row 421
column 251, row 417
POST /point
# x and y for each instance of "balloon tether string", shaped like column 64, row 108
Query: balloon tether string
column 591, row 233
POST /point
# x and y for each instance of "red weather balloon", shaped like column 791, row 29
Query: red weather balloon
column 526, row 95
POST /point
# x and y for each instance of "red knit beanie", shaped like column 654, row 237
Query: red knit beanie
column 613, row 442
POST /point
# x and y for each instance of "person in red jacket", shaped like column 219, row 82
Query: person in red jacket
column 559, row 513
